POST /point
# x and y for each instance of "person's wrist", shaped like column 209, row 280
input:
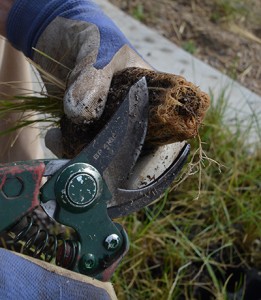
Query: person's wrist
column 27, row 19
column 5, row 7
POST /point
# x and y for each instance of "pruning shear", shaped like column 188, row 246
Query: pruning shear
column 90, row 190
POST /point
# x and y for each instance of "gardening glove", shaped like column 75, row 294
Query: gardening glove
column 22, row 277
column 79, row 45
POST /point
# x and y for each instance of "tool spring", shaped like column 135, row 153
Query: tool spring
column 37, row 242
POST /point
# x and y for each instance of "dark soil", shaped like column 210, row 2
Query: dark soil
column 224, row 34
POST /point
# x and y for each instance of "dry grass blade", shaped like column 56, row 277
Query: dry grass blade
column 244, row 33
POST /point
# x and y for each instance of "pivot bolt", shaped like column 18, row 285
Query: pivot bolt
column 13, row 187
column 81, row 189
column 112, row 242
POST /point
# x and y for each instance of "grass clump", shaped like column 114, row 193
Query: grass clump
column 35, row 106
column 200, row 240
column 190, row 46
column 224, row 10
column 32, row 106
column 138, row 12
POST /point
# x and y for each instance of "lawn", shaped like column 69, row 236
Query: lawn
column 202, row 240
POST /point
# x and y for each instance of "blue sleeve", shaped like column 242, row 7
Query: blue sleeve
column 22, row 279
column 29, row 18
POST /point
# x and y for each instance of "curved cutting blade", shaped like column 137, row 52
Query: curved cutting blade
column 126, row 201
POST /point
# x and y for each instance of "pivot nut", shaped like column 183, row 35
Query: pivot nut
column 78, row 186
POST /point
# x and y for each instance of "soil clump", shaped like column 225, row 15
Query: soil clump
column 176, row 110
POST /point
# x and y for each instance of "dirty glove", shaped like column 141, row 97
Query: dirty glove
column 22, row 277
column 87, row 44
column 90, row 49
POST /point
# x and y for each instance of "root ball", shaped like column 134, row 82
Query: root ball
column 176, row 110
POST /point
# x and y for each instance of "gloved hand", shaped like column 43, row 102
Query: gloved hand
column 22, row 277
column 87, row 48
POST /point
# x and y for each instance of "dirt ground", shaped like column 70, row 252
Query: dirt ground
column 225, row 34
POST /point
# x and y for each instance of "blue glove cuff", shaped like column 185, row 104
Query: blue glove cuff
column 29, row 18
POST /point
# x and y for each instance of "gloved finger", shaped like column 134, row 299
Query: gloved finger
column 88, row 87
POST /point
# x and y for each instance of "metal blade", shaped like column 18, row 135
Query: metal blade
column 120, row 168
column 114, row 140
column 126, row 201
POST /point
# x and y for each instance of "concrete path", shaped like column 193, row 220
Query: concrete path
column 166, row 56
